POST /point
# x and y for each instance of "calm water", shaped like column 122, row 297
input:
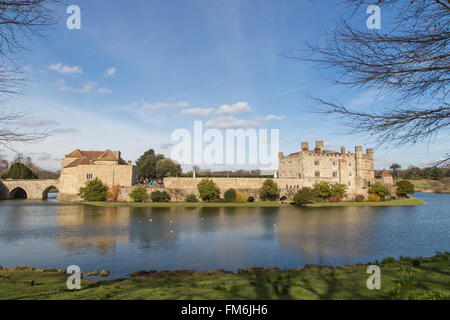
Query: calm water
column 122, row 240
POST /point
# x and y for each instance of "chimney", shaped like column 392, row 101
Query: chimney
column 305, row 146
column 319, row 145
column 343, row 151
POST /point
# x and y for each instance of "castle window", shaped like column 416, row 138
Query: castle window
column 350, row 174
column 299, row 175
column 335, row 174
column 316, row 162
column 89, row 176
column 349, row 183
column 334, row 163
column 349, row 164
column 317, row 173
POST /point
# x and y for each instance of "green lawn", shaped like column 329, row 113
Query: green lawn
column 186, row 204
column 402, row 202
column 408, row 278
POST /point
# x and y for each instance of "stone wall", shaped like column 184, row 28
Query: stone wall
column 35, row 189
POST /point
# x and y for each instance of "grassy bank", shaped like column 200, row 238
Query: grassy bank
column 427, row 278
column 402, row 202
column 186, row 204
column 428, row 185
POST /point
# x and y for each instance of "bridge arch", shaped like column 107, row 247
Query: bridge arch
column 18, row 193
column 47, row 190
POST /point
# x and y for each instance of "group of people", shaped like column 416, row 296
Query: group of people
column 151, row 182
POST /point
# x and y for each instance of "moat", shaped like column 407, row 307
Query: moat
column 49, row 234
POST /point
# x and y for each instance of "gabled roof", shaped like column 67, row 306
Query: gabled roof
column 386, row 174
column 89, row 157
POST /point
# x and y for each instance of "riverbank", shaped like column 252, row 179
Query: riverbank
column 411, row 201
column 407, row 278
column 432, row 186
column 262, row 204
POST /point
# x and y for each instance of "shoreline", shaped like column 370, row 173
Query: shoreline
column 403, row 278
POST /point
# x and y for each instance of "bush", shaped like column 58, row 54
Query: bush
column 360, row 198
column 269, row 190
column 20, row 171
column 323, row 189
column 241, row 197
column 335, row 198
column 160, row 196
column 94, row 190
column 374, row 197
column 304, row 196
column 251, row 199
column 404, row 188
column 191, row 198
column 208, row 190
column 379, row 190
column 230, row 195
column 113, row 193
column 339, row 189
column 139, row 194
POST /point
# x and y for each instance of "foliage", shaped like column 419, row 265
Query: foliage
column 335, row 198
column 251, row 199
column 378, row 189
column 94, row 190
column 208, row 190
column 241, row 197
column 304, row 196
column 404, row 188
column 230, row 195
column 436, row 173
column 160, row 196
column 269, row 190
column 373, row 198
column 191, row 198
column 339, row 189
column 167, row 168
column 146, row 164
column 20, row 171
column 323, row 189
column 395, row 167
column 360, row 198
column 139, row 194
column 113, row 193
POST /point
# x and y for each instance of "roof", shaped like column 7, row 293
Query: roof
column 89, row 157
column 386, row 174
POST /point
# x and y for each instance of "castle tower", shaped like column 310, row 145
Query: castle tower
column 319, row 146
column 305, row 146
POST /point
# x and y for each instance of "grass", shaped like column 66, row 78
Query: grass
column 428, row 185
column 407, row 278
column 411, row 201
column 186, row 204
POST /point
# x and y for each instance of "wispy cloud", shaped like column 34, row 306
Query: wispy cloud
column 230, row 122
column 165, row 105
column 198, row 112
column 37, row 122
column 89, row 87
column 235, row 108
column 110, row 72
column 274, row 117
column 59, row 67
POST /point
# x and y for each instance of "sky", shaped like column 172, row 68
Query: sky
column 137, row 70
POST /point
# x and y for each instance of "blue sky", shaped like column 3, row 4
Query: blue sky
column 139, row 69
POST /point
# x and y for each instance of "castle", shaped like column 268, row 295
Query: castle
column 79, row 166
column 355, row 170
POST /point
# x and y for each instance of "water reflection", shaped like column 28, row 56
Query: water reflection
column 123, row 239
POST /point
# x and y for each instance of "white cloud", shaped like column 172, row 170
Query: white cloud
column 65, row 130
column 27, row 68
column 230, row 122
column 103, row 90
column 274, row 117
column 235, row 108
column 164, row 105
column 37, row 122
column 59, row 67
column 199, row 112
column 110, row 72
column 87, row 88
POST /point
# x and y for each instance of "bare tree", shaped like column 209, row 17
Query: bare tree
column 411, row 60
column 19, row 22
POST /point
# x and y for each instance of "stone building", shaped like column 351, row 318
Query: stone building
column 78, row 167
column 355, row 170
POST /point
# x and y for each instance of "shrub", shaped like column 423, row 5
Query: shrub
column 323, row 189
column 304, row 196
column 94, row 190
column 208, row 190
column 339, row 189
column 404, row 188
column 374, row 197
column 230, row 195
column 139, row 194
column 20, row 171
column 241, row 197
column 113, row 193
column 160, row 196
column 191, row 198
column 251, row 199
column 269, row 190
column 379, row 190
column 360, row 198
column 335, row 198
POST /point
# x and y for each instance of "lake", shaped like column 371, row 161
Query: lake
column 49, row 234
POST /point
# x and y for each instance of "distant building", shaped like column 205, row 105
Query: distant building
column 78, row 167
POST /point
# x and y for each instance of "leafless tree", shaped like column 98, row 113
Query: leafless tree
column 19, row 22
column 409, row 59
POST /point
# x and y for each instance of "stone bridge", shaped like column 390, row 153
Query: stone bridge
column 27, row 189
